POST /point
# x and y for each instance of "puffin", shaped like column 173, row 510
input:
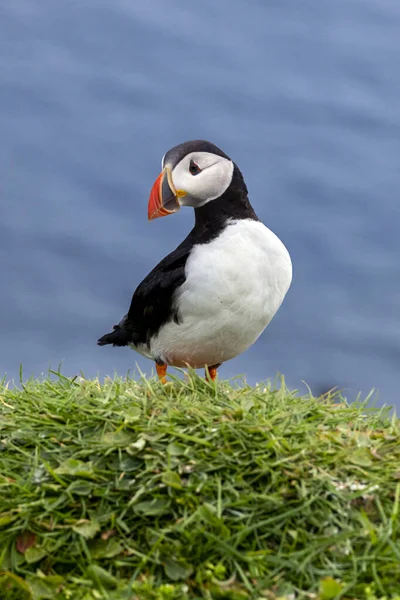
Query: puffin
column 212, row 297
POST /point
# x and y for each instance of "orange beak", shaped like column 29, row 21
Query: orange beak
column 163, row 199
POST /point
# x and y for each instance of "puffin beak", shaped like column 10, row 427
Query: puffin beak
column 163, row 199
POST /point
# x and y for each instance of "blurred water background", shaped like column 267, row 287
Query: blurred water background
column 304, row 96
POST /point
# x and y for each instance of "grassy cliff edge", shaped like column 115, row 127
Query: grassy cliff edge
column 127, row 489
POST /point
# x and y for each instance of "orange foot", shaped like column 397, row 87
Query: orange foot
column 211, row 372
column 161, row 372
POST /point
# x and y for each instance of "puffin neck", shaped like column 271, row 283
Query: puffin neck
column 213, row 217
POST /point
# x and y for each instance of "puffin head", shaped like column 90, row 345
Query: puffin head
column 193, row 174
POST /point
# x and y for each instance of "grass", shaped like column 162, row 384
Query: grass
column 123, row 490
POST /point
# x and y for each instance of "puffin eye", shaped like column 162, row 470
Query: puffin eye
column 193, row 168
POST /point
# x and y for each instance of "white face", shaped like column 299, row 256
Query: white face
column 203, row 176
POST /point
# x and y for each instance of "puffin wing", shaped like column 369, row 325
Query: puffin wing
column 152, row 303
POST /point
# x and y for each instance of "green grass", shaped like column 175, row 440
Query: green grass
column 125, row 489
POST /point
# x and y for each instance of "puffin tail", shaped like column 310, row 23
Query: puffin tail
column 118, row 337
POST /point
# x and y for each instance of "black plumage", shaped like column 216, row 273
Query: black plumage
column 152, row 303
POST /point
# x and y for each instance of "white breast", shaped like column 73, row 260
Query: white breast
column 234, row 286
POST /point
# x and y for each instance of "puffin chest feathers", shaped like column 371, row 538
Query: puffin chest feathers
column 234, row 285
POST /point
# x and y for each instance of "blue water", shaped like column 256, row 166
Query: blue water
column 305, row 96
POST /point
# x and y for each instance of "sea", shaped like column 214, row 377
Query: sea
column 304, row 96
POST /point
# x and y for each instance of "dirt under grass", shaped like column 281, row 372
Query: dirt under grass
column 125, row 489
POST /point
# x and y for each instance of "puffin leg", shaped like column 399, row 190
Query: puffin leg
column 211, row 372
column 161, row 369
